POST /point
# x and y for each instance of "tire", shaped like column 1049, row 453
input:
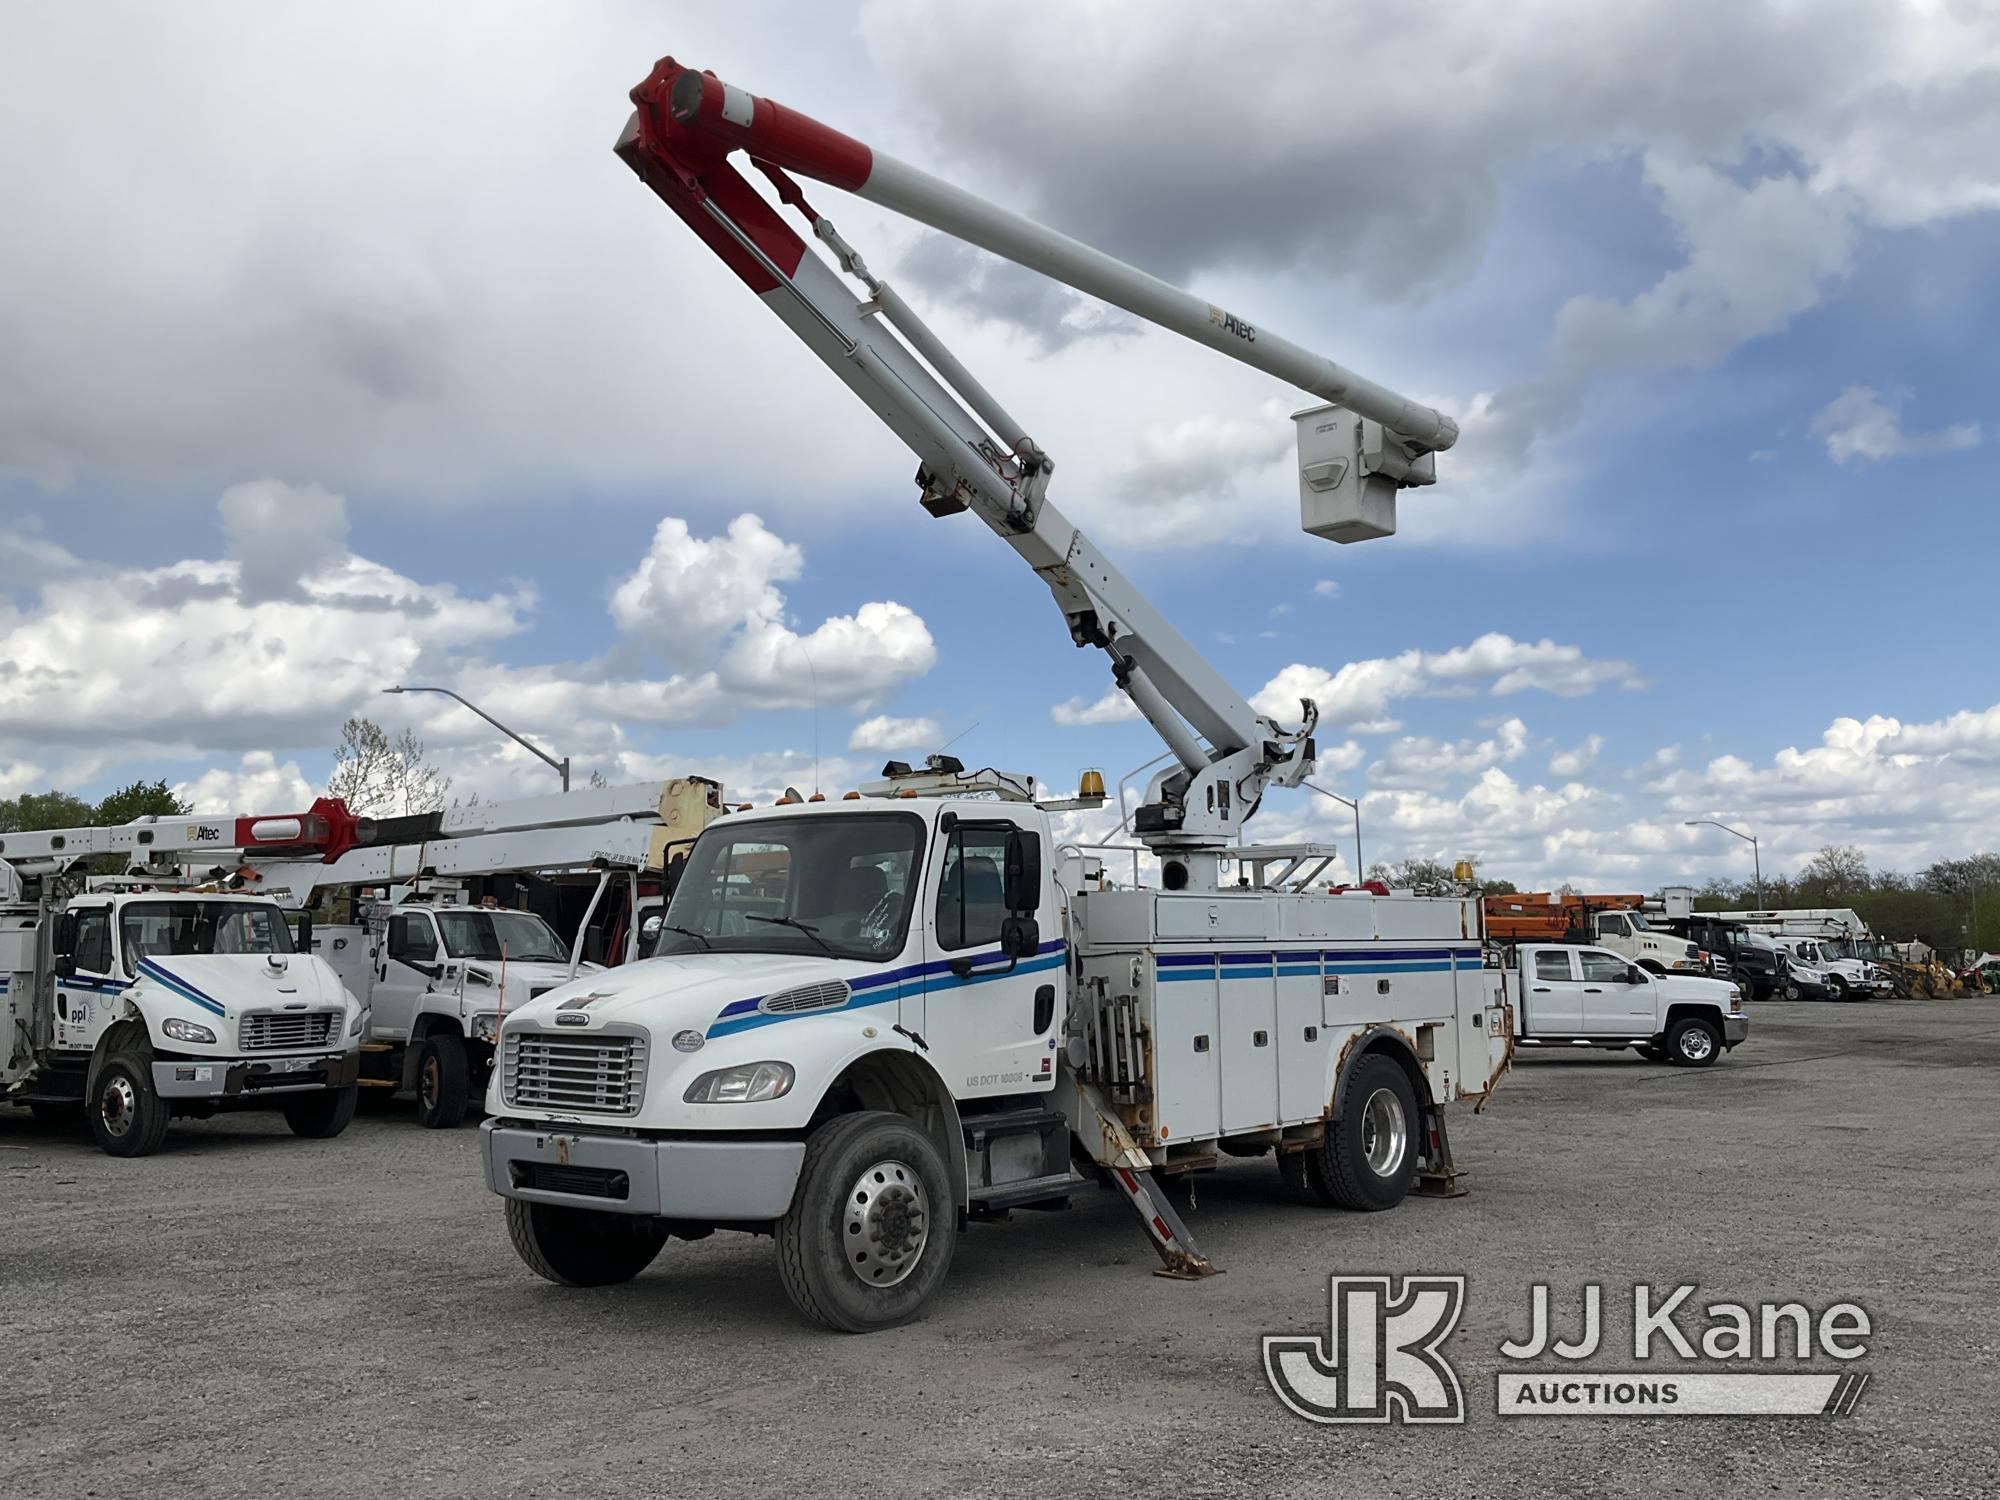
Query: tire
column 1837, row 988
column 1367, row 1160
column 127, row 1115
column 582, row 1246
column 442, row 1081
column 870, row 1233
column 1693, row 1043
column 1791, row 991
column 322, row 1116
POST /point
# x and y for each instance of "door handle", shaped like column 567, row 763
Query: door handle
column 1541, row 989
column 1591, row 989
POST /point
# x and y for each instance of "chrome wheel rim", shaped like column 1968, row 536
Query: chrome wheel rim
column 1696, row 1044
column 117, row 1106
column 427, row 1083
column 886, row 1223
column 1385, row 1134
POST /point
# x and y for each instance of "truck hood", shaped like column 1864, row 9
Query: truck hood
column 713, row 993
column 1695, row 988
column 228, row 984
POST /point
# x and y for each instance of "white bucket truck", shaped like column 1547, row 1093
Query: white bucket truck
column 436, row 969
column 872, row 1020
column 139, row 1000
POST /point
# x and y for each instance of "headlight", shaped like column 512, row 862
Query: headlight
column 360, row 1022
column 752, row 1083
column 486, row 1026
column 186, row 1031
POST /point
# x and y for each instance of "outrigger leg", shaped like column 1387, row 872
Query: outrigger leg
column 1093, row 1122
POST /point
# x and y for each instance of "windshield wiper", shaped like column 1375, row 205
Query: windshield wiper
column 699, row 937
column 806, row 927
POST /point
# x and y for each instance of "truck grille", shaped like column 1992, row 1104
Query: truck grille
column 278, row 1030
column 603, row 1075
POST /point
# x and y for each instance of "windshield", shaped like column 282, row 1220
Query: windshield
column 493, row 935
column 164, row 929
column 836, row 884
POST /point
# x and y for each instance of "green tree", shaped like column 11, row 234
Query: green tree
column 32, row 811
column 140, row 799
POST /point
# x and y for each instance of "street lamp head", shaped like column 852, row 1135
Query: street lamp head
column 392, row 690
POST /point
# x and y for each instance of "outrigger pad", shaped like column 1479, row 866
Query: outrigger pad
column 1437, row 1177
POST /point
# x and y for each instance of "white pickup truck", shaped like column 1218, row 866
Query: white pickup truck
column 1592, row 997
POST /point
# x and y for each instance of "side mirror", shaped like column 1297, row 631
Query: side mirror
column 593, row 946
column 305, row 932
column 65, row 944
column 65, row 966
column 1020, row 937
column 1636, row 975
column 1023, row 874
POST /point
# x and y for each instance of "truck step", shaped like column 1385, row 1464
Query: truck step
column 1051, row 1191
column 1029, row 1120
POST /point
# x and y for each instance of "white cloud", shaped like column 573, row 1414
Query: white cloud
column 1113, row 708
column 189, row 659
column 885, row 733
column 1326, row 588
column 1861, row 423
column 1360, row 693
column 256, row 784
column 1417, row 760
column 279, row 534
column 1578, row 759
column 687, row 591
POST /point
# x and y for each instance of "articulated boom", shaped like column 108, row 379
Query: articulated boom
column 972, row 454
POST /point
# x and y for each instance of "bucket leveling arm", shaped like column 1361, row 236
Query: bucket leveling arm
column 972, row 454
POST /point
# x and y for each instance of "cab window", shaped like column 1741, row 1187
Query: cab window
column 411, row 937
column 1604, row 968
column 972, row 902
column 1613, row 927
column 93, row 940
column 1552, row 964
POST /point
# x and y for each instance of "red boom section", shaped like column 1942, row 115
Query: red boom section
column 679, row 142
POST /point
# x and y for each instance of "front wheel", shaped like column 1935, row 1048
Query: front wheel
column 442, row 1084
column 322, row 1116
column 870, row 1233
column 1836, row 987
column 1693, row 1043
column 582, row 1246
column 1367, row 1160
column 127, row 1114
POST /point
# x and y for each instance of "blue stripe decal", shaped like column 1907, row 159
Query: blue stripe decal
column 892, row 985
column 180, row 987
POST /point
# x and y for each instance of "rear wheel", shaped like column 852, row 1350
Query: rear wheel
column 323, row 1115
column 442, row 1081
column 582, row 1246
column 1367, row 1160
column 1693, row 1043
column 127, row 1115
column 870, row 1233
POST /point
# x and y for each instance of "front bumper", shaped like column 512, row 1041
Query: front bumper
column 1734, row 1029
column 249, row 1077
column 707, row 1181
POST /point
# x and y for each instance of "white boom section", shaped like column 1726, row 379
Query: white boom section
column 973, row 454
column 46, row 851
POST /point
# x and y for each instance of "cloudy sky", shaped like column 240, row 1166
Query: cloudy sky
column 337, row 350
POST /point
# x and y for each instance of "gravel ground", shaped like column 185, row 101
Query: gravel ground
column 250, row 1314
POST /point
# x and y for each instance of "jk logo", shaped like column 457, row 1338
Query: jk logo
column 1379, row 1361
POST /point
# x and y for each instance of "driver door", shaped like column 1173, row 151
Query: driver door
column 410, row 961
column 85, row 1000
column 1612, row 1004
column 989, row 1018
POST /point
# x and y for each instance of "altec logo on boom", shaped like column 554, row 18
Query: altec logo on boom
column 1381, row 1360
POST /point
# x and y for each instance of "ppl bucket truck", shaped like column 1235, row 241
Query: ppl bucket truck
column 147, row 996
column 873, row 1020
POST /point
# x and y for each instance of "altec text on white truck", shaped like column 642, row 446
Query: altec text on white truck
column 140, row 1001
column 871, row 1021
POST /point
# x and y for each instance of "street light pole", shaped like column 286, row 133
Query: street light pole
column 1756, row 855
column 560, row 767
column 1360, row 872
